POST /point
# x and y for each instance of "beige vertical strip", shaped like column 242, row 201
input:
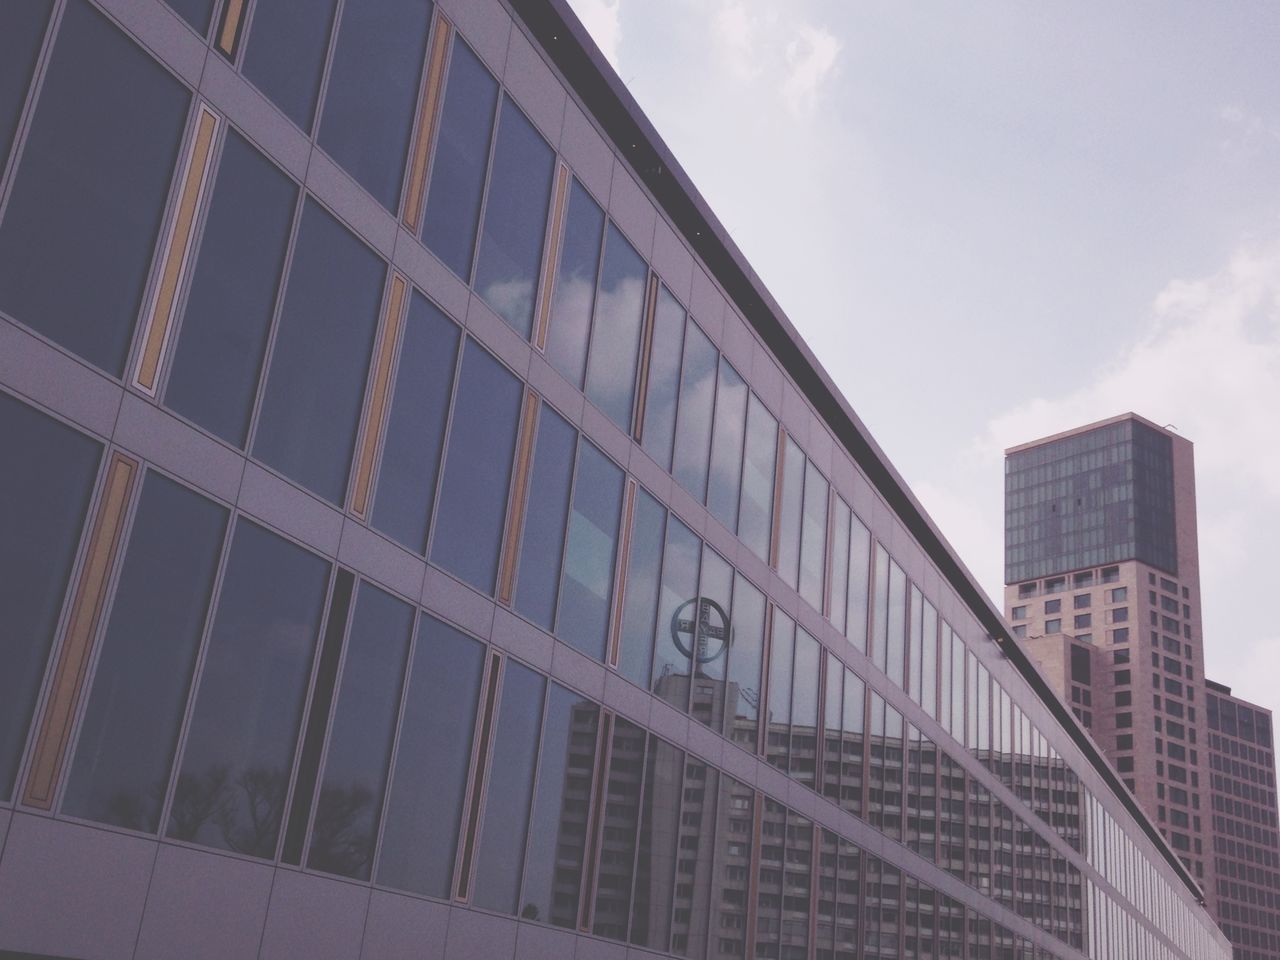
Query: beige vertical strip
column 376, row 416
column 646, row 351
column 177, row 251
column 551, row 258
column 231, row 27
column 620, row 578
column 519, row 499
column 73, row 658
column 428, row 117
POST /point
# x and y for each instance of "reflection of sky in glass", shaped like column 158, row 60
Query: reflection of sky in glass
column 640, row 599
column 693, row 418
column 615, row 336
column 726, row 446
column 575, row 289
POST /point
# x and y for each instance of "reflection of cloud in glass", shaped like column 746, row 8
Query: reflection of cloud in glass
column 511, row 299
column 570, row 323
column 614, row 344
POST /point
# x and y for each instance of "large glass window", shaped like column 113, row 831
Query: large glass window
column 233, row 293
column 618, row 844
column 804, row 709
column 813, row 538
column 97, row 164
column 239, row 752
column 640, row 599
column 792, row 513
column 315, row 385
column 415, row 429
column 663, row 389
column 121, row 769
column 693, row 418
column 477, row 470
column 587, row 590
column 895, row 638
column 711, row 621
column 929, row 661
column 461, row 159
column 880, row 599
column 424, row 801
column 575, row 291
column 615, row 334
column 44, row 494
column 542, row 545
column 500, row 850
column 726, row 447
column 285, row 54
column 675, row 628
column 840, row 565
column 349, row 806
column 853, row 751
column 732, row 866
column 558, row 824
column 746, row 654
column 755, row 511
column 372, row 90
column 695, row 873
column 653, row 894
column 859, row 572
column 781, row 666
column 24, row 30
column 515, row 219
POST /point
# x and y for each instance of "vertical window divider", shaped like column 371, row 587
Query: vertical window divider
column 753, row 875
column 101, row 554
column 428, row 120
column 596, row 810
column 551, row 245
column 379, row 389
column 819, row 727
column 38, row 70
column 519, row 497
column 174, row 258
column 231, row 29
column 779, row 463
column 646, row 350
column 473, row 805
column 620, row 575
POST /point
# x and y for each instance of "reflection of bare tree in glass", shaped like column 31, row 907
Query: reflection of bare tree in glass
column 342, row 837
column 198, row 799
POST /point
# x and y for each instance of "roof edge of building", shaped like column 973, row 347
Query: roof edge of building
column 562, row 35
column 1086, row 428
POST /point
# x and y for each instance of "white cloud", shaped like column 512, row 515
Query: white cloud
column 811, row 59
column 603, row 22
column 1208, row 362
column 740, row 36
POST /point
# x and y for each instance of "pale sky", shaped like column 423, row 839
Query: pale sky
column 993, row 221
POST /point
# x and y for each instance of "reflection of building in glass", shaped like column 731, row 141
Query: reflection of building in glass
column 421, row 534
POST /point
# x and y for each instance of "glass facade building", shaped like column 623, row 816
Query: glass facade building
column 423, row 536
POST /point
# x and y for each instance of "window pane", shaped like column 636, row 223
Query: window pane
column 424, row 801
column 726, row 447
column 695, row 870
column 372, row 90
column 575, row 292
column 477, row 470
column 664, row 378
column 797, row 888
column 123, row 760
column 416, row 425
column 239, row 752
column 929, row 661
column 896, row 625
column 755, row 513
column 618, row 847
column 813, row 542
column 615, row 335
column 461, row 158
column 840, row 565
column 745, row 658
column 859, row 571
column 24, row 27
column 693, row 419
column 315, row 385
column 287, row 45
column 542, row 546
column 804, row 709
column 509, row 792
column 97, row 163
column 195, row 12
column 792, row 509
column 355, row 768
column 515, row 220
column 43, row 497
column 711, row 643
column 656, row 846
column 781, row 663
column 558, row 824
column 587, row 591
column 880, row 592
column 680, row 565
column 233, row 293
column 640, row 600
column 732, row 869
column 917, row 641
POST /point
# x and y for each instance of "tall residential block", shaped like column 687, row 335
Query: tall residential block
column 423, row 535
column 1103, row 592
